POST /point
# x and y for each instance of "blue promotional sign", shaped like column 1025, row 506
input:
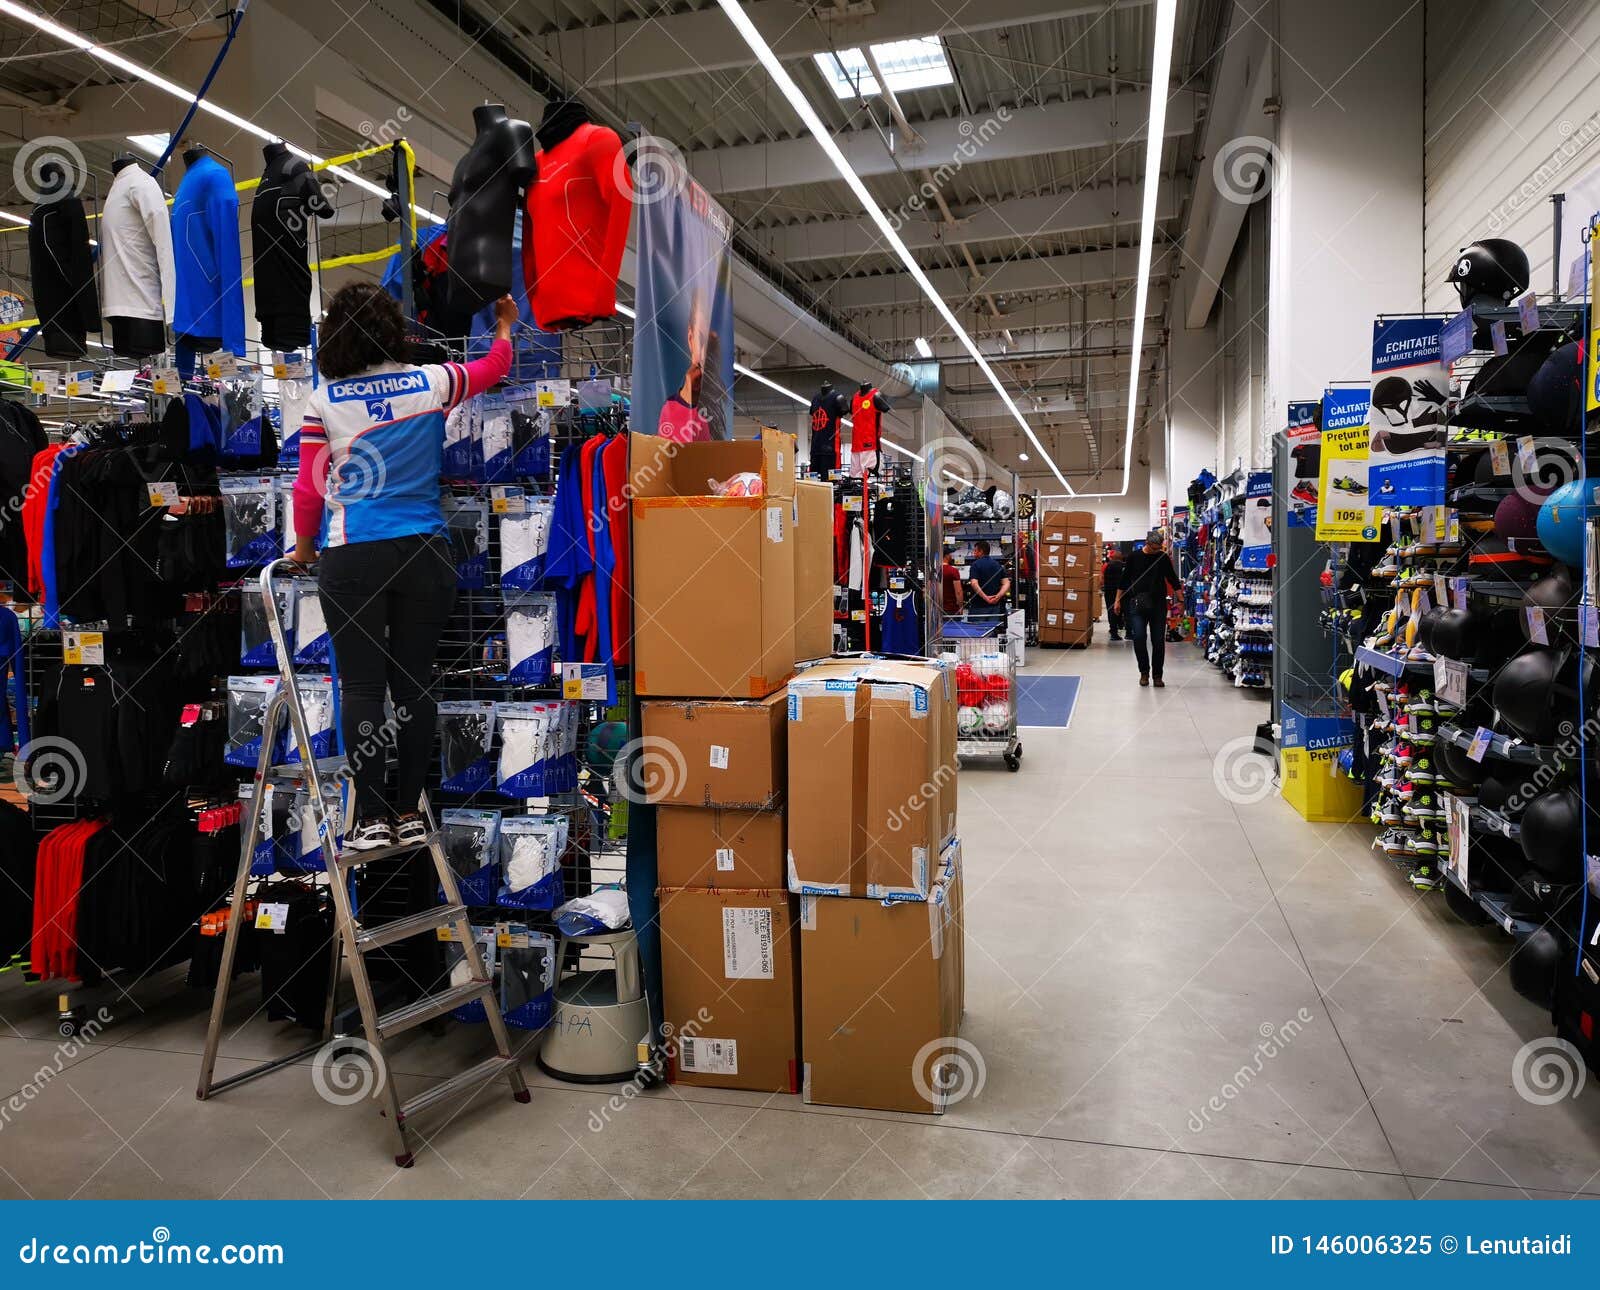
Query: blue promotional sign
column 1406, row 459
column 1304, row 433
column 683, row 335
column 1455, row 340
column 1256, row 529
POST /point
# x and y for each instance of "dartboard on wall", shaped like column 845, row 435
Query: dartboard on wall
column 1025, row 506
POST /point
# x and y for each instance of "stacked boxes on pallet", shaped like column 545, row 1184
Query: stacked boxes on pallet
column 873, row 855
column 725, row 607
column 1069, row 578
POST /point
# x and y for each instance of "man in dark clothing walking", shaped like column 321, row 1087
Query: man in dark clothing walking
column 1147, row 578
column 1111, row 574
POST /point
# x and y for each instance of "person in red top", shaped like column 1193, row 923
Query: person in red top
column 954, row 594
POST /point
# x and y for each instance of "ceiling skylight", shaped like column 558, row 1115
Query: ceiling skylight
column 907, row 65
column 154, row 144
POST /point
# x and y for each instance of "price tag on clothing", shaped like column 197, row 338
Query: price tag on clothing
column 1527, row 306
column 117, row 382
column 1538, row 633
column 289, row 367
column 272, row 918
column 1590, row 617
column 1499, row 457
column 1481, row 739
column 83, row 647
column 1450, row 680
column 163, row 492
column 77, row 384
column 852, row 503
column 508, row 499
column 552, row 394
column 1497, row 338
column 222, row 364
column 164, row 380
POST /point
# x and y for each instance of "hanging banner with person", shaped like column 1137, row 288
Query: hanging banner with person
column 683, row 335
column 1343, row 511
column 1304, row 433
column 1406, row 423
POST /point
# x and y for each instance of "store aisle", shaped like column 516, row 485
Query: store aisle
column 1170, row 993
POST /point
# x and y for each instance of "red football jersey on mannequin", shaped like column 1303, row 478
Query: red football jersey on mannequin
column 864, row 416
column 577, row 222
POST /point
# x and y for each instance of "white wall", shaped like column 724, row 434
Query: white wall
column 1513, row 115
column 1192, row 405
column 1347, row 196
column 1117, row 518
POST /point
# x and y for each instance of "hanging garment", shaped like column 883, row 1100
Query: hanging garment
column 12, row 736
column 286, row 202
column 19, row 847
column 865, row 409
column 614, row 466
column 205, row 239
column 62, row 269
column 577, row 216
column 483, row 207
column 856, row 572
column 137, row 277
column 828, row 407
column 21, row 439
column 900, row 626
column 568, row 562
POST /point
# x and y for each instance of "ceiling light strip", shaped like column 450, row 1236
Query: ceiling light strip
column 1160, row 81
column 775, row 68
column 110, row 57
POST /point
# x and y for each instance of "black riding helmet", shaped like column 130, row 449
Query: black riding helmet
column 1489, row 273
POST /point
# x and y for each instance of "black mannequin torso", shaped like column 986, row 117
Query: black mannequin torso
column 483, row 207
column 288, row 197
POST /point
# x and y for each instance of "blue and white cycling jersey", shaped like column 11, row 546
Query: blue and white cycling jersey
column 384, row 437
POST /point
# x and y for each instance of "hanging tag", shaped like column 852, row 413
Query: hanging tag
column 272, row 918
column 1527, row 453
column 1450, row 680
column 117, row 382
column 1537, row 632
column 1481, row 740
column 222, row 364
column 1527, row 306
column 1499, row 457
column 1497, row 338
column 1441, row 590
column 163, row 492
column 1383, row 703
column 83, row 647
column 289, row 367
column 1590, row 615
column 508, row 499
column 1458, row 592
column 164, row 380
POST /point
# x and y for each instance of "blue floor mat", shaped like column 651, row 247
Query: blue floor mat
column 1046, row 700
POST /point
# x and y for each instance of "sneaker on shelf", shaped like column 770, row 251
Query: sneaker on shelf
column 411, row 830
column 1426, row 877
column 1422, row 769
column 1395, row 842
column 1404, row 790
column 369, row 835
column 1403, row 754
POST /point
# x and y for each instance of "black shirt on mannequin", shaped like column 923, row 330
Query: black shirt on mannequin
column 286, row 201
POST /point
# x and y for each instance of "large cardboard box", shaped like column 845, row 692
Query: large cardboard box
column 1050, row 555
column 872, row 777
column 881, row 999
column 1078, row 560
column 713, row 577
column 730, row 981
column 813, row 570
column 1069, row 520
column 721, row 848
column 714, row 752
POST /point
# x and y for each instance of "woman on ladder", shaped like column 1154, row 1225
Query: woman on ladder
column 371, row 448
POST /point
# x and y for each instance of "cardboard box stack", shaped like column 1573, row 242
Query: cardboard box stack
column 872, row 852
column 726, row 593
column 1069, row 577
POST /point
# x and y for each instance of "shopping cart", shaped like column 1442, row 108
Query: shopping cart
column 986, row 689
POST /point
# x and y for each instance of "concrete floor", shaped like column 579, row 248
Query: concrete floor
column 1135, row 940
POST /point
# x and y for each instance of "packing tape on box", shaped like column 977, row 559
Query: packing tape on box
column 936, row 920
column 697, row 503
column 813, row 888
column 900, row 895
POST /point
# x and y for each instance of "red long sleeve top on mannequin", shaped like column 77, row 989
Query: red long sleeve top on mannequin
column 577, row 216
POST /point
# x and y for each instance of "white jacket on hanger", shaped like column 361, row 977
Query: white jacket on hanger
column 136, row 274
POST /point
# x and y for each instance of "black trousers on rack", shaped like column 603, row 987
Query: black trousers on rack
column 386, row 603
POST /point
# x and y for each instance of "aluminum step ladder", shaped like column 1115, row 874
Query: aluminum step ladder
column 352, row 942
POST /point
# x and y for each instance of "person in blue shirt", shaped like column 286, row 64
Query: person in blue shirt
column 990, row 584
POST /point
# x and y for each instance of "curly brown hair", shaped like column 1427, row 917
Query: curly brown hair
column 363, row 327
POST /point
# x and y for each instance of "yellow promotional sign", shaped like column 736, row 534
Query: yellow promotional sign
column 1343, row 510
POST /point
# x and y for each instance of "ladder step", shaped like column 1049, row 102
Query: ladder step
column 349, row 859
column 464, row 1082
column 326, row 766
column 404, row 1018
column 429, row 920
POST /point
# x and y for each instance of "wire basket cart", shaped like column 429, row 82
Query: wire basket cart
column 986, row 690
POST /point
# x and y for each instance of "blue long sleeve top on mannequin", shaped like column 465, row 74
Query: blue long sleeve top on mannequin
column 205, row 248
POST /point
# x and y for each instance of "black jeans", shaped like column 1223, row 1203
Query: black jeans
column 386, row 603
column 1115, row 619
column 1145, row 619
